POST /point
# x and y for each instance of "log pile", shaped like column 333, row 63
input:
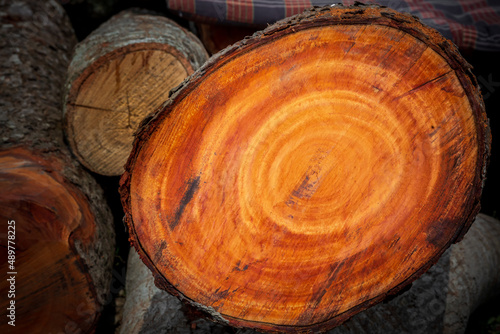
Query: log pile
column 291, row 183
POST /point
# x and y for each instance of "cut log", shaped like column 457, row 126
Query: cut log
column 57, row 231
column 440, row 301
column 120, row 73
column 307, row 173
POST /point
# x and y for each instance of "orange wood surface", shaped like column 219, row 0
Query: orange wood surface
column 305, row 174
column 53, row 289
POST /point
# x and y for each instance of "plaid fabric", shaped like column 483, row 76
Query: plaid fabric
column 471, row 24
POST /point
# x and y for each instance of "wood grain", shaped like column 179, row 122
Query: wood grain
column 64, row 242
column 439, row 302
column 309, row 171
column 119, row 74
column 53, row 224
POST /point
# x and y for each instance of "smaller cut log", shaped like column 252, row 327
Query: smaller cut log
column 120, row 73
column 440, row 301
column 56, row 233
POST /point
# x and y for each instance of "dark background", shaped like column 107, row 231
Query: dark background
column 87, row 15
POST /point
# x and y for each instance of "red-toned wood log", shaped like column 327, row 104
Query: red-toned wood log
column 440, row 301
column 310, row 171
column 56, row 229
column 119, row 74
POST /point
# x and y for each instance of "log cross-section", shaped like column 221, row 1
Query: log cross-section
column 56, row 233
column 308, row 172
column 120, row 73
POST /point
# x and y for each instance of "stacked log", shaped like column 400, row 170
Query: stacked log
column 57, row 230
column 310, row 171
column 119, row 74
column 299, row 177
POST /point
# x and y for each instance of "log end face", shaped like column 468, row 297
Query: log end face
column 49, row 214
column 118, row 75
column 106, row 103
column 322, row 188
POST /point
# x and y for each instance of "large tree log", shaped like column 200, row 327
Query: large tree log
column 440, row 301
column 310, row 171
column 60, row 230
column 120, row 73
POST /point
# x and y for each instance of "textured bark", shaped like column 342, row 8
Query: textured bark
column 310, row 171
column 64, row 233
column 151, row 310
column 440, row 301
column 120, row 73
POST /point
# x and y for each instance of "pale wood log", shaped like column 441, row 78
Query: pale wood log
column 119, row 74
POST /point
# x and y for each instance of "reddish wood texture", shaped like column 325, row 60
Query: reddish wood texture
column 53, row 289
column 64, row 237
column 440, row 301
column 310, row 171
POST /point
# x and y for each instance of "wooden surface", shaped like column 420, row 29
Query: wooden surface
column 64, row 237
column 120, row 73
column 310, row 171
column 440, row 301
column 53, row 221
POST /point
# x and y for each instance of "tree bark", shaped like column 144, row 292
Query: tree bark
column 440, row 301
column 310, row 171
column 151, row 310
column 120, row 73
column 63, row 238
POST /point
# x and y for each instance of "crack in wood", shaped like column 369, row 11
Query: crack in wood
column 129, row 126
column 422, row 85
column 89, row 107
